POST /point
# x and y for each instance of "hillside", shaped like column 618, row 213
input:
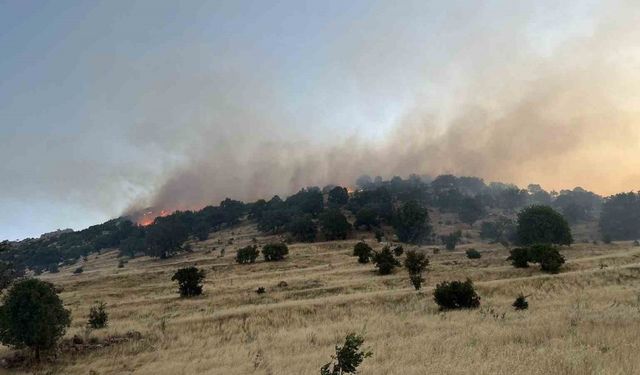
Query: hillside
column 581, row 321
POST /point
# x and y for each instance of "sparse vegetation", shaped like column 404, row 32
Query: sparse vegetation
column 451, row 240
column 348, row 357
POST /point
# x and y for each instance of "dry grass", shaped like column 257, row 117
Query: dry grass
column 582, row 321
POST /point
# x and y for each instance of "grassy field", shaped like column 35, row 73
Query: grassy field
column 585, row 320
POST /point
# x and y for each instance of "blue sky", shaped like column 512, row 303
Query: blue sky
column 101, row 102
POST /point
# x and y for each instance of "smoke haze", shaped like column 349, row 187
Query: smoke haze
column 180, row 107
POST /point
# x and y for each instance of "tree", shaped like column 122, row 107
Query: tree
column 620, row 217
column 547, row 256
column 451, row 240
column 334, row 224
column 501, row 230
column 473, row 254
column 471, row 209
column 131, row 246
column 165, row 236
column 411, row 222
column 416, row 263
column 274, row 251
column 303, row 228
column 247, row 254
column 542, row 224
column 362, row 251
column 33, row 316
column 456, row 295
column 189, row 281
column 338, row 196
column 8, row 274
column 367, row 217
column 519, row 257
column 98, row 317
column 385, row 261
column 347, row 358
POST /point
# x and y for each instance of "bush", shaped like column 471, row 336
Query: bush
column 261, row 290
column 542, row 224
column 548, row 256
column 385, row 261
column 473, row 254
column 347, row 358
column 189, row 281
column 521, row 302
column 379, row 234
column 121, row 263
column 363, row 252
column 456, row 295
column 98, row 317
column 451, row 240
column 398, row 251
column 274, row 251
column 416, row 263
column 519, row 257
column 247, row 254
column 33, row 316
column 78, row 271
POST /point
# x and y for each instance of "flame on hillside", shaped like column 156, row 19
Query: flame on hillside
column 148, row 216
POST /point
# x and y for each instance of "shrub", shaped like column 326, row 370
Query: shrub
column 261, row 290
column 121, row 263
column 78, row 271
column 398, row 251
column 334, row 224
column 385, row 261
column 379, row 234
column 189, row 281
column 98, row 317
column 33, row 316
column 548, row 256
column 347, row 358
column 247, row 254
column 451, row 240
column 473, row 254
column 363, row 252
column 411, row 223
column 456, row 295
column 303, row 228
column 519, row 257
column 416, row 263
column 274, row 251
column 521, row 302
column 542, row 224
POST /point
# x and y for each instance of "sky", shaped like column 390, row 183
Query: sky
column 110, row 106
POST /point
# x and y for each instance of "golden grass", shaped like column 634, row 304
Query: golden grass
column 584, row 320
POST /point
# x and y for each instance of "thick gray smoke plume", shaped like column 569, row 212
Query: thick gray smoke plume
column 492, row 103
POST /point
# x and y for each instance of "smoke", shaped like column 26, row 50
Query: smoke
column 495, row 102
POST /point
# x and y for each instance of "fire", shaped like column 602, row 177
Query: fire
column 149, row 216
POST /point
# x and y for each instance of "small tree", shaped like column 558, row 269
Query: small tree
column 519, row 257
column 451, row 240
column 411, row 222
column 33, row 316
column 385, row 261
column 398, row 251
column 247, row 254
column 363, row 252
column 521, row 302
column 274, row 251
column 473, row 254
column 416, row 263
column 189, row 281
column 347, row 358
column 334, row 224
column 98, row 317
column 303, row 228
column 548, row 256
column 456, row 295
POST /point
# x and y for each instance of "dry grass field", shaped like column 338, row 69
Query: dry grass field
column 585, row 320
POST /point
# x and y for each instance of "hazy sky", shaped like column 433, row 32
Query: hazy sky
column 107, row 105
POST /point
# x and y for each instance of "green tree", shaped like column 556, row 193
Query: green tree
column 189, row 281
column 247, row 254
column 334, row 224
column 347, row 358
column 542, row 224
column 411, row 223
column 367, row 217
column 385, row 261
column 362, row 251
column 303, row 228
column 451, row 240
column 338, row 196
column 416, row 263
column 274, row 251
column 33, row 316
column 456, row 295
column 471, row 209
column 98, row 316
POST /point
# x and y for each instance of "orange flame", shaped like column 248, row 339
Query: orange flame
column 150, row 216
